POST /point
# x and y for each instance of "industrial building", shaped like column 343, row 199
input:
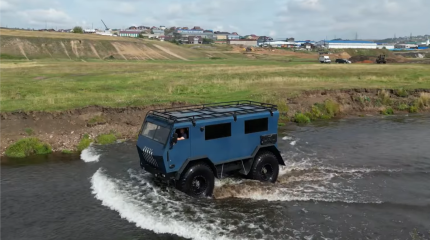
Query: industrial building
column 341, row 44
column 130, row 33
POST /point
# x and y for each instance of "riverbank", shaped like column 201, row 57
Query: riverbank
column 64, row 130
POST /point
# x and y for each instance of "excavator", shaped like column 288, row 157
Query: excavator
column 381, row 59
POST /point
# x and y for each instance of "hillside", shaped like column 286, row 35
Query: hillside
column 16, row 44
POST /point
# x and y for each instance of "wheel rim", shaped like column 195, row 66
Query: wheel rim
column 266, row 172
column 199, row 185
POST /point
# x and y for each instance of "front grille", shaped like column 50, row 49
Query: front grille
column 147, row 155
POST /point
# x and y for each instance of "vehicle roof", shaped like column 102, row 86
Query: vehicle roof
column 211, row 111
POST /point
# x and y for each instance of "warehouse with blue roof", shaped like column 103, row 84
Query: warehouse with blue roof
column 340, row 44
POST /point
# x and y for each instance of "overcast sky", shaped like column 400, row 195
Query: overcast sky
column 302, row 19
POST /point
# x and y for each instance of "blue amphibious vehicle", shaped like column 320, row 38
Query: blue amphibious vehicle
column 192, row 145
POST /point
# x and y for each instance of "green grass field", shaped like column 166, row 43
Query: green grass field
column 59, row 85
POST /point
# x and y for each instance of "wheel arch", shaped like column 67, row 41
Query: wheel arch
column 274, row 150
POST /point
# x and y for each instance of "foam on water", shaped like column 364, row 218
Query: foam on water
column 89, row 154
column 167, row 211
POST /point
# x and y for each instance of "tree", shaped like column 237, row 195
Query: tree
column 207, row 41
column 78, row 29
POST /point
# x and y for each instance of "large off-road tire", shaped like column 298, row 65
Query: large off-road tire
column 198, row 180
column 265, row 167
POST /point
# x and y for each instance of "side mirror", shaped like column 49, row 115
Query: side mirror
column 175, row 138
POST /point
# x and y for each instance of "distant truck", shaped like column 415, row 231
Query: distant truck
column 381, row 59
column 324, row 59
column 191, row 146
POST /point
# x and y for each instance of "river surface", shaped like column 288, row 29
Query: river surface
column 346, row 179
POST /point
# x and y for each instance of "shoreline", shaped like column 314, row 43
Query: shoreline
column 63, row 130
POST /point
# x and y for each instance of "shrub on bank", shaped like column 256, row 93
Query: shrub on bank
column 28, row 146
column 403, row 107
column 413, row 109
column 84, row 143
column 401, row 93
column 387, row 111
column 106, row 138
column 301, row 118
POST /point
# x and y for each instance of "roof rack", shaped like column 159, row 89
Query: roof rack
column 211, row 110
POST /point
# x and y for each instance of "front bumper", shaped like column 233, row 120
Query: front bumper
column 156, row 172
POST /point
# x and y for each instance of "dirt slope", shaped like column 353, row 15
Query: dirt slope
column 38, row 45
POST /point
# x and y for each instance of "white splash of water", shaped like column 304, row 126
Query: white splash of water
column 150, row 208
column 89, row 154
column 287, row 138
column 293, row 143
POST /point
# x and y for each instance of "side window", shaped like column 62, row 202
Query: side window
column 183, row 133
column 217, row 131
column 256, row 125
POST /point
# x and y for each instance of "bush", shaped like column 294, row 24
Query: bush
column 401, row 93
column 384, row 96
column 28, row 146
column 106, row 138
column 403, row 107
column 326, row 110
column 96, row 120
column 413, row 109
column 66, row 151
column 29, row 131
column 424, row 100
column 387, row 111
column 331, row 108
column 78, row 29
column 301, row 118
column 84, row 143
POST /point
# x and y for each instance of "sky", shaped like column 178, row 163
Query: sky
column 301, row 19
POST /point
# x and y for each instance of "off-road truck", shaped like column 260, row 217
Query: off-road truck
column 191, row 146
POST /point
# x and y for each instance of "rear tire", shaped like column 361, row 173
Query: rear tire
column 265, row 167
column 197, row 181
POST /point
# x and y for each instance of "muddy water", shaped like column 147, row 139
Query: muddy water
column 347, row 179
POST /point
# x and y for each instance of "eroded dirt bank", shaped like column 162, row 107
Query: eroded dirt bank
column 64, row 130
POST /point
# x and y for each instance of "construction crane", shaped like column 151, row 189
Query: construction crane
column 107, row 29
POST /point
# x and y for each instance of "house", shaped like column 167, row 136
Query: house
column 132, row 28
column 184, row 34
column 233, row 36
column 130, row 33
column 195, row 40
column 252, row 36
column 157, row 31
column 221, row 35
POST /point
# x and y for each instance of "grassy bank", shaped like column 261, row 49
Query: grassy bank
column 49, row 86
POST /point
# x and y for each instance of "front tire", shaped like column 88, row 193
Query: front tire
column 197, row 181
column 265, row 167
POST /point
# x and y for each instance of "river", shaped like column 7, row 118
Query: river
column 364, row 178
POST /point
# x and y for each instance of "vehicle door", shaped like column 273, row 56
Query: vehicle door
column 178, row 152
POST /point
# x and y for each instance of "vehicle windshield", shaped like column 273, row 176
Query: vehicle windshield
column 156, row 132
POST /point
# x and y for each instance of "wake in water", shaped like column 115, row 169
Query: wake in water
column 306, row 177
column 89, row 154
column 138, row 200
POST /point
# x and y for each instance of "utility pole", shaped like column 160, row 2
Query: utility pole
column 356, row 36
